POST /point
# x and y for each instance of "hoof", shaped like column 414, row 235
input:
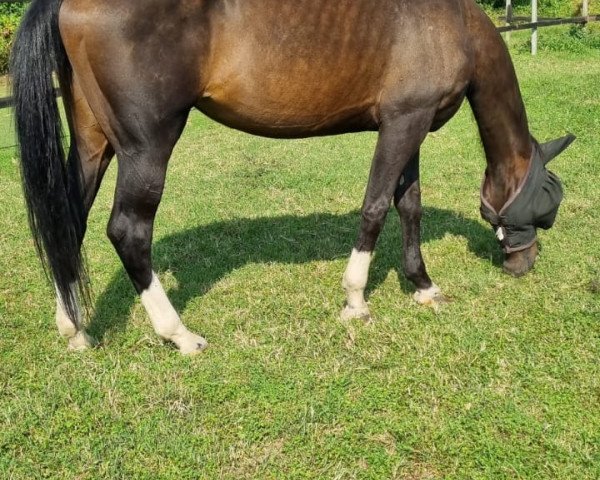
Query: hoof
column 191, row 344
column 81, row 341
column 361, row 313
column 195, row 349
column 431, row 297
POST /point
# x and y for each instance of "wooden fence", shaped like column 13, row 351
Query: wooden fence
column 534, row 22
column 5, row 102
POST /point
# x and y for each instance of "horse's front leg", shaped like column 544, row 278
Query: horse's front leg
column 407, row 200
column 400, row 137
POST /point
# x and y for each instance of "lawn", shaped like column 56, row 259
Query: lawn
column 251, row 242
column 4, row 86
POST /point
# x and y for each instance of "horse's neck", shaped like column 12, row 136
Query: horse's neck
column 496, row 101
column 508, row 147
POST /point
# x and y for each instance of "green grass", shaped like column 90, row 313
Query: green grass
column 4, row 87
column 251, row 242
column 573, row 39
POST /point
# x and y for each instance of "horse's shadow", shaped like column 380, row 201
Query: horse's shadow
column 201, row 256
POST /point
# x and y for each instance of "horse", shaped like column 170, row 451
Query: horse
column 131, row 72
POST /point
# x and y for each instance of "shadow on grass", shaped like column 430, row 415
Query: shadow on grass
column 201, row 256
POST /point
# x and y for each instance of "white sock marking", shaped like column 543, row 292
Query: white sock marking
column 67, row 327
column 429, row 295
column 72, row 329
column 355, row 279
column 164, row 318
column 166, row 321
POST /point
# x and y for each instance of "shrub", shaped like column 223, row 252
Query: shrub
column 575, row 38
column 12, row 8
column 10, row 16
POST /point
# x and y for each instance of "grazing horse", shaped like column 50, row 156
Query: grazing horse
column 130, row 73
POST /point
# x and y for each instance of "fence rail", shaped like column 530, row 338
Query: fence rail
column 549, row 22
column 5, row 102
column 8, row 101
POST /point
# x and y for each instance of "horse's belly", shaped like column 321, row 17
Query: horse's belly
column 288, row 116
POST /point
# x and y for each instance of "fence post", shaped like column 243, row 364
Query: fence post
column 585, row 9
column 509, row 15
column 534, row 30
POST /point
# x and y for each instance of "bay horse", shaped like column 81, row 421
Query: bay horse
column 130, row 73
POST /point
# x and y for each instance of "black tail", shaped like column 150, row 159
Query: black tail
column 51, row 185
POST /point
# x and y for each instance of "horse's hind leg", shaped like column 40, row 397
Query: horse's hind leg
column 143, row 157
column 94, row 154
column 407, row 200
column 399, row 140
column 72, row 328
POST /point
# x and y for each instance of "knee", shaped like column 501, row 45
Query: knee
column 132, row 241
column 373, row 216
column 129, row 228
column 117, row 229
column 130, row 237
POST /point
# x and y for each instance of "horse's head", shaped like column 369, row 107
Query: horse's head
column 533, row 205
